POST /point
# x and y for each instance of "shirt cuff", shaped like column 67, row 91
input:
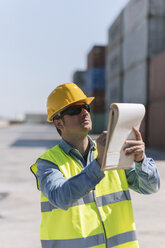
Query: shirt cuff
column 146, row 166
column 94, row 172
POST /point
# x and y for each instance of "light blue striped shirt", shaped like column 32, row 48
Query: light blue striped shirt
column 142, row 177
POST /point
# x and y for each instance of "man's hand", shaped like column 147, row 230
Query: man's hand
column 101, row 140
column 137, row 147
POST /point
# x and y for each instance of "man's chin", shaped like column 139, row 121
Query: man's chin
column 88, row 128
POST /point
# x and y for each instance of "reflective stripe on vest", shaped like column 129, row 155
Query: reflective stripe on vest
column 90, row 241
column 101, row 200
column 102, row 218
column 74, row 243
column 121, row 239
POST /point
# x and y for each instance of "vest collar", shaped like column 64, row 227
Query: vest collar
column 67, row 147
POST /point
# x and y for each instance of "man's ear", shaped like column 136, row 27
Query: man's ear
column 59, row 124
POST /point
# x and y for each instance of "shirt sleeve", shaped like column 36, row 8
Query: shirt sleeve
column 144, row 177
column 62, row 192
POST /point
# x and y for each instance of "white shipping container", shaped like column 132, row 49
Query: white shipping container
column 107, row 97
column 135, row 84
column 156, row 38
column 107, row 103
column 114, row 91
column 135, row 45
column 115, row 33
column 114, row 62
column 113, row 94
column 157, row 7
column 137, row 10
column 134, row 13
column 146, row 41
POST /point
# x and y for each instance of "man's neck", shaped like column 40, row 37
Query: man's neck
column 81, row 144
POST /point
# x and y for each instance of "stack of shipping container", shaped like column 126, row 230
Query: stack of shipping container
column 142, row 37
column 114, row 67
column 135, row 61
column 95, row 86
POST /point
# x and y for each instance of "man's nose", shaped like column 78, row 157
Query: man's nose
column 84, row 111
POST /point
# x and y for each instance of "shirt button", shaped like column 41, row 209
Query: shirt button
column 98, row 177
column 86, row 192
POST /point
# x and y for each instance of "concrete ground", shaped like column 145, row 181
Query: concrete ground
column 20, row 145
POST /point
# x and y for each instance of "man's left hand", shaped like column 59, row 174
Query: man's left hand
column 136, row 147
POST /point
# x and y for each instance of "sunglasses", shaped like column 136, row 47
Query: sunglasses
column 74, row 110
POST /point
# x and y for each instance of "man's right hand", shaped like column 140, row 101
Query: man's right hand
column 101, row 141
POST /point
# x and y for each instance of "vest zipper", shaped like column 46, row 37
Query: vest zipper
column 105, row 236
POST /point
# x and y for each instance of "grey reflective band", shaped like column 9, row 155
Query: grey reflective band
column 85, row 200
column 91, row 241
column 113, row 198
column 101, row 200
column 121, row 239
column 47, row 206
column 75, row 243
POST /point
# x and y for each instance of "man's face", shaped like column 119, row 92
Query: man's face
column 76, row 124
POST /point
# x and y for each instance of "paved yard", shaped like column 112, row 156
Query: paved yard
column 20, row 145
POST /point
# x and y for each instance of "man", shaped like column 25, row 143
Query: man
column 81, row 205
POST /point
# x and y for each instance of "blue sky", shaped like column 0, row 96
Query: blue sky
column 43, row 42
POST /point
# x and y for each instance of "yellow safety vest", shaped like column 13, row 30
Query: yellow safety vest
column 103, row 218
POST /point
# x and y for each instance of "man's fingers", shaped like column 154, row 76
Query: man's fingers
column 134, row 142
column 103, row 135
column 134, row 149
column 137, row 133
column 137, row 152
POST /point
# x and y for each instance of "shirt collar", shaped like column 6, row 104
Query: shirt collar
column 66, row 147
column 92, row 143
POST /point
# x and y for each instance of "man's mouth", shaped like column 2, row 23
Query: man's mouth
column 85, row 121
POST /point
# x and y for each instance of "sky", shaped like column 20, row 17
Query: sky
column 42, row 43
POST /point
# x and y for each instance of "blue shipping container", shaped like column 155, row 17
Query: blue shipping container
column 95, row 79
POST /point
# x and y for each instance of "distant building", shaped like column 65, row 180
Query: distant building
column 35, row 118
column 4, row 123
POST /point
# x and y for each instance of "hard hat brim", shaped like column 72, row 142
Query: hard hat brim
column 87, row 100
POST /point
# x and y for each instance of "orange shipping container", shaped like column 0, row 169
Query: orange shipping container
column 96, row 57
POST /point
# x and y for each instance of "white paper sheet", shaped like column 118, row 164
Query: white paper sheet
column 123, row 116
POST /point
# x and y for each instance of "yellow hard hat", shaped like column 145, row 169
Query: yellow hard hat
column 63, row 96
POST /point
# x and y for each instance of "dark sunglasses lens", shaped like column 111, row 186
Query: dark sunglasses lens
column 84, row 107
column 75, row 110
column 87, row 108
